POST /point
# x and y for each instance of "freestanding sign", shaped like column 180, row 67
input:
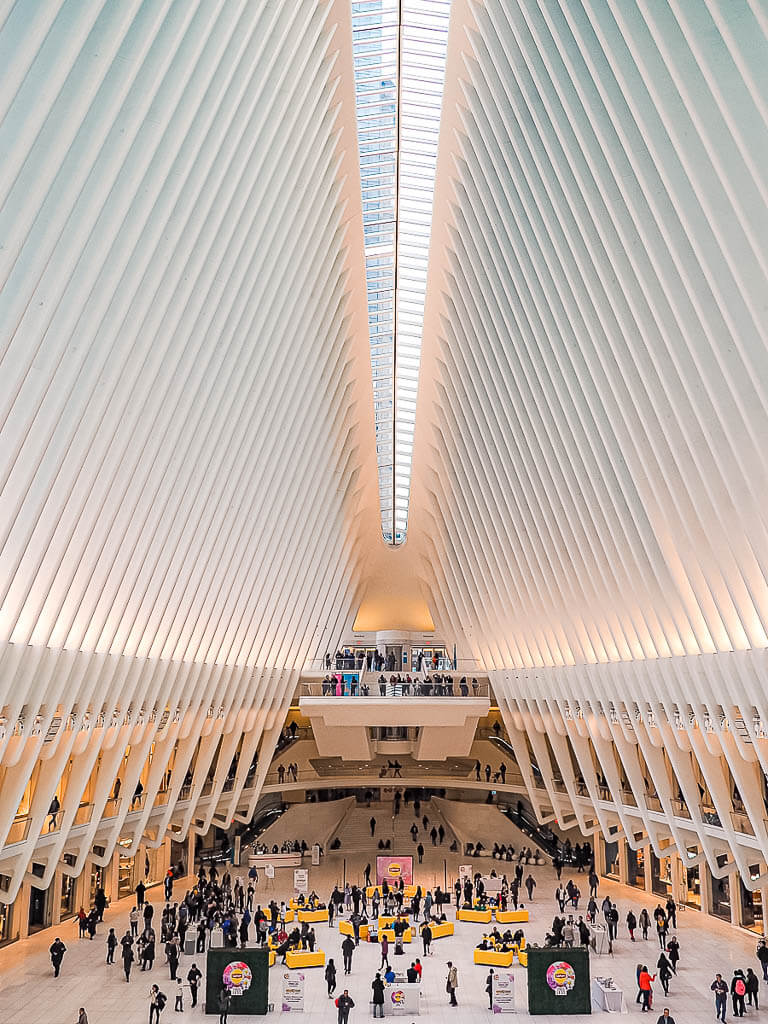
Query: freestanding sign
column 244, row 973
column 300, row 879
column 558, row 981
column 269, row 870
column 293, row 992
column 393, row 869
column 503, row 992
column 315, row 854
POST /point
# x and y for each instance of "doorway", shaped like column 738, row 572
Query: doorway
column 39, row 909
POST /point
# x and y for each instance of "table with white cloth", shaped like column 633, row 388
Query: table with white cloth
column 609, row 999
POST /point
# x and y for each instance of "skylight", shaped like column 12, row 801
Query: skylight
column 399, row 50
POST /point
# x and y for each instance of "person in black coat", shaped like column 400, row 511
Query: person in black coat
column 377, row 986
column 57, row 951
column 127, row 957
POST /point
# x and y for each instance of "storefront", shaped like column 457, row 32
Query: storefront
column 612, row 860
column 720, row 903
column 96, row 882
column 636, row 867
column 661, row 875
column 693, row 887
column 126, row 883
column 751, row 906
column 39, row 909
column 7, row 933
column 67, row 897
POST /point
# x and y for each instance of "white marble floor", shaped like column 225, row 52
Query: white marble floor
column 30, row 994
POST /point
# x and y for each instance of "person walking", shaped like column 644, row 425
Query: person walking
column 426, row 938
column 345, row 1002
column 631, row 925
column 330, row 977
column 489, row 988
column 133, row 917
column 377, row 985
column 111, row 946
column 645, row 922
column 753, row 988
column 372, row 823
column 127, row 954
column 452, row 983
column 420, row 852
column 82, row 1016
column 140, row 890
column 57, row 951
column 224, row 1001
column 384, row 952
column 194, row 974
column 156, row 1004
column 665, row 972
column 530, row 885
column 646, row 988
column 762, row 956
column 720, row 988
column 347, row 949
column 665, row 1018
column 738, row 991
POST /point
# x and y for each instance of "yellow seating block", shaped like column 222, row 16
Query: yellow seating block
column 303, row 958
column 409, row 891
column 478, row 916
column 346, row 928
column 390, row 934
column 289, row 915
column 440, row 931
column 272, row 957
column 387, row 922
column 511, row 916
column 494, row 959
column 313, row 915
column 522, row 956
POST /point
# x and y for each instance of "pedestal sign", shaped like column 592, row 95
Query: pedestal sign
column 293, row 992
column 503, row 992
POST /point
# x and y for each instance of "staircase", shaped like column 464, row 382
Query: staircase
column 354, row 830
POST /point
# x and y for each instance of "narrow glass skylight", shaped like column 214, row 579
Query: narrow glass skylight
column 399, row 50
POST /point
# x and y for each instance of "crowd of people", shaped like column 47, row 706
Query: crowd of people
column 398, row 685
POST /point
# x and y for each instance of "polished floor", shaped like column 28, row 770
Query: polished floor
column 30, row 994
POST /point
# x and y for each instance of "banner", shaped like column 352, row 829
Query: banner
column 465, row 871
column 293, row 992
column 315, row 854
column 403, row 1000
column 503, row 992
column 300, row 879
column 393, row 869
column 269, row 870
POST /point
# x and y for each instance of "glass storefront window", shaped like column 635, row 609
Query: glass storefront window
column 693, row 887
column 67, row 897
column 636, row 867
column 751, row 907
column 721, row 892
column 612, row 860
column 7, row 933
column 39, row 909
column 661, row 875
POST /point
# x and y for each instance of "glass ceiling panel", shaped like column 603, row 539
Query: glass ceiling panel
column 399, row 51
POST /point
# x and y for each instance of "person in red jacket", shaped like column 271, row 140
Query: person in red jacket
column 646, row 990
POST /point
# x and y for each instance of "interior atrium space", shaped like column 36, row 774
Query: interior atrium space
column 383, row 510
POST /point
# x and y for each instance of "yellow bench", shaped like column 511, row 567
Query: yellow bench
column 294, row 905
column 387, row 922
column 303, row 958
column 494, row 959
column 289, row 915
column 390, row 934
column 440, row 931
column 478, row 916
column 409, row 891
column 511, row 916
column 347, row 928
column 272, row 958
column 313, row 915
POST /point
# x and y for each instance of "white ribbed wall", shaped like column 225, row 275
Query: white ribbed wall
column 590, row 453
column 185, row 423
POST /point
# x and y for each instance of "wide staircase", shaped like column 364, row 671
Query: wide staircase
column 354, row 830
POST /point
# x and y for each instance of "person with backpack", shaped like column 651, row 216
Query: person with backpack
column 665, row 972
column 738, row 991
column 631, row 925
column 344, row 1003
column 156, row 1004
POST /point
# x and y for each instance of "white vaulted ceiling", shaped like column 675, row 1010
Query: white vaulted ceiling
column 189, row 492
